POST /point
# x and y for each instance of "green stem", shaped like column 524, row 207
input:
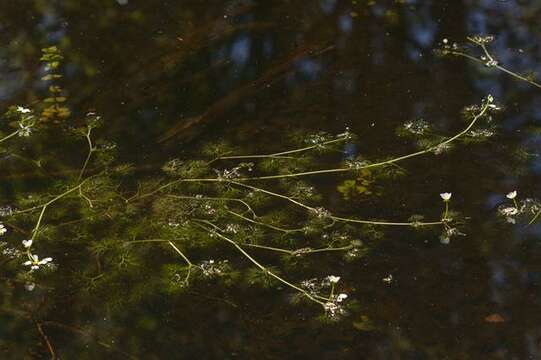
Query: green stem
column 324, row 171
column 44, row 207
column 299, row 251
column 190, row 264
column 490, row 57
column 476, row 118
column 9, row 136
column 90, row 151
column 54, row 199
column 336, row 218
column 216, row 199
column 281, row 154
column 263, row 268
column 515, row 202
column 270, row 226
column 535, row 217
column 446, row 213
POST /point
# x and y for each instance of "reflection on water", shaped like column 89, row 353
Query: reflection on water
column 167, row 75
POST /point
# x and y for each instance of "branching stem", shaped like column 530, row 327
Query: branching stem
column 314, row 298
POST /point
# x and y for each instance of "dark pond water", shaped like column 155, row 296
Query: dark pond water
column 167, row 76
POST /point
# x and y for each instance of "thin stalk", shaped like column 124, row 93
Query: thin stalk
column 283, row 153
column 145, row 241
column 190, row 264
column 216, row 199
column 299, row 251
column 264, row 247
column 44, row 207
column 337, row 218
column 169, row 184
column 90, row 151
column 9, row 136
column 45, row 338
column 263, row 268
column 517, row 76
column 270, row 226
column 170, row 242
column 491, row 58
column 476, row 118
column 86, row 198
column 535, row 217
column 446, row 212
column 54, row 199
column 177, row 250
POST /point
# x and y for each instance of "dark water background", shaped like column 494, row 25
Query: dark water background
column 262, row 69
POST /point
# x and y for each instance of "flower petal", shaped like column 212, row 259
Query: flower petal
column 512, row 195
column 45, row 261
column 446, row 196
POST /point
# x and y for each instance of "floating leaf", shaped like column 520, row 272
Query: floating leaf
column 494, row 318
column 364, row 324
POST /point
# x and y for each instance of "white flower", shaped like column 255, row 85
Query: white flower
column 446, row 196
column 29, row 286
column 24, row 131
column 445, row 41
column 3, row 229
column 27, row 243
column 509, row 211
column 333, row 279
column 213, row 268
column 23, row 110
column 334, row 309
column 45, row 261
column 511, row 195
column 330, row 307
column 36, row 262
column 341, row 297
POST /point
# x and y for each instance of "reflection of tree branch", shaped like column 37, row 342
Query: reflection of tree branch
column 276, row 71
column 85, row 334
column 46, row 340
column 27, row 315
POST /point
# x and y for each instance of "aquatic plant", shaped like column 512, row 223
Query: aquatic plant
column 256, row 220
column 199, row 206
column 488, row 59
column 53, row 109
column 484, row 56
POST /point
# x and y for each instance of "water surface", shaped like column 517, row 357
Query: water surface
column 167, row 76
